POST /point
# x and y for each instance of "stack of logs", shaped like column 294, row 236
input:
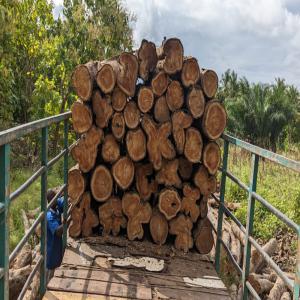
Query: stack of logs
column 147, row 154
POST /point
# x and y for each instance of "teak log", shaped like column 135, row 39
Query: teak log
column 144, row 186
column 185, row 168
column 161, row 110
column 118, row 125
column 81, row 117
column 110, row 149
column 118, row 100
column 203, row 207
column 205, row 182
column 167, row 175
column 159, row 227
column 83, row 79
column 193, row 145
column 107, row 75
column 209, row 82
column 86, row 149
column 24, row 258
column 145, row 99
column 101, row 183
column 169, row 203
column 211, row 157
column 159, row 83
column 132, row 115
column 76, row 184
column 190, row 71
column 174, row 95
column 77, row 218
column 138, row 213
column 17, row 279
column 136, row 144
column 214, row 119
column 102, row 109
column 278, row 289
column 123, row 172
column 90, row 219
column 181, row 226
column 203, row 236
column 111, row 216
column 196, row 102
column 189, row 204
column 147, row 59
column 286, row 296
column 158, row 145
column 180, row 121
column 236, row 248
column 260, row 285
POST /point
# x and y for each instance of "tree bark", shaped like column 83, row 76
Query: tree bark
column 203, row 236
column 118, row 125
column 119, row 100
column 168, row 174
column 193, row 145
column 211, row 157
column 110, row 149
column 76, row 184
column 189, row 204
column 102, row 109
column 159, row 227
column 205, row 182
column 185, row 168
column 159, row 83
column 107, row 75
column 123, row 172
column 161, row 110
column 286, row 296
column 190, row 71
column 169, row 203
column 101, row 183
column 90, row 219
column 174, row 95
column 81, row 117
column 145, row 99
column 136, row 144
column 132, row 115
column 209, row 82
column 203, row 207
column 196, row 102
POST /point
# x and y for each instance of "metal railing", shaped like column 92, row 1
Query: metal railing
column 6, row 198
column 256, row 154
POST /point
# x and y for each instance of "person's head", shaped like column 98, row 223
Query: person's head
column 50, row 195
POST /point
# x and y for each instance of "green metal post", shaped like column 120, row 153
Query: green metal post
column 249, row 225
column 44, row 159
column 297, row 275
column 4, row 221
column 65, row 215
column 220, row 213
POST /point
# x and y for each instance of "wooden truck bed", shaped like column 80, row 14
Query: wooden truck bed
column 89, row 271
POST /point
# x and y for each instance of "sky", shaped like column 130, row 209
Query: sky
column 259, row 39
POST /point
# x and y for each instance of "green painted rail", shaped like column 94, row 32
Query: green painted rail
column 6, row 198
column 256, row 154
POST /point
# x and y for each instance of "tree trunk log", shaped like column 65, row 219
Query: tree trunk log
column 211, row 157
column 17, row 279
column 145, row 99
column 214, row 119
column 209, row 82
column 169, row 203
column 159, row 83
column 174, row 95
column 193, row 145
column 111, row 216
column 101, row 183
column 190, row 71
column 118, row 126
column 107, row 75
column 203, row 207
column 110, row 149
column 181, row 226
column 119, row 100
column 236, row 248
column 159, row 227
column 238, row 233
column 85, row 151
column 76, row 184
column 286, row 296
column 82, row 117
column 102, row 109
column 189, row 204
column 132, row 115
column 196, row 102
column 278, row 289
column 205, row 182
column 203, row 236
column 76, row 217
column 168, row 174
column 260, row 285
column 90, row 219
column 161, row 110
column 123, row 172
column 136, row 144
column 185, row 168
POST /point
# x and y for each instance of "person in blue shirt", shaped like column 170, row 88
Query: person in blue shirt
column 54, row 233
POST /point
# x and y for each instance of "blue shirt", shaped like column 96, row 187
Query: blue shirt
column 54, row 242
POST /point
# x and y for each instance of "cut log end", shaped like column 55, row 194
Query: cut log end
column 118, row 126
column 110, row 149
column 212, row 157
column 159, row 83
column 173, row 53
column 136, row 144
column 159, row 227
column 123, row 172
column 205, row 182
column 185, row 168
column 118, row 100
column 132, row 115
column 90, row 219
column 101, row 183
column 190, row 72
column 145, row 99
column 76, row 184
column 144, row 186
column 102, row 109
column 106, row 78
column 209, row 83
column 81, row 117
column 193, row 145
column 196, row 102
column 174, row 95
column 189, row 206
column 169, row 203
column 203, row 236
column 168, row 174
column 161, row 110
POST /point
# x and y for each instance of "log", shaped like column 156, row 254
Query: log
column 85, row 151
column 209, row 82
column 257, row 262
column 236, row 248
column 193, row 145
column 180, row 121
column 169, row 203
column 118, row 126
column 211, row 157
column 185, row 168
column 76, row 184
column 168, row 174
column 174, row 95
column 189, row 202
column 190, row 73
column 181, row 226
column 17, row 279
column 172, row 51
column 123, row 172
column 82, row 118
column 33, row 292
column 119, row 100
column 144, row 186
column 145, row 99
column 77, row 218
column 136, row 144
column 127, row 77
column 203, row 236
column 107, row 75
column 159, row 227
column 101, row 183
column 102, row 109
column 205, row 182
column 203, row 207
column 90, row 219
column 214, row 119
column 278, row 289
column 131, row 115
column 159, row 83
column 147, row 59
column 286, row 296
column 137, row 212
column 196, row 102
column 238, row 233
column 161, row 110
column 110, row 151
column 260, row 285
column 111, row 216
column 24, row 258
column 158, row 144
column 83, row 79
